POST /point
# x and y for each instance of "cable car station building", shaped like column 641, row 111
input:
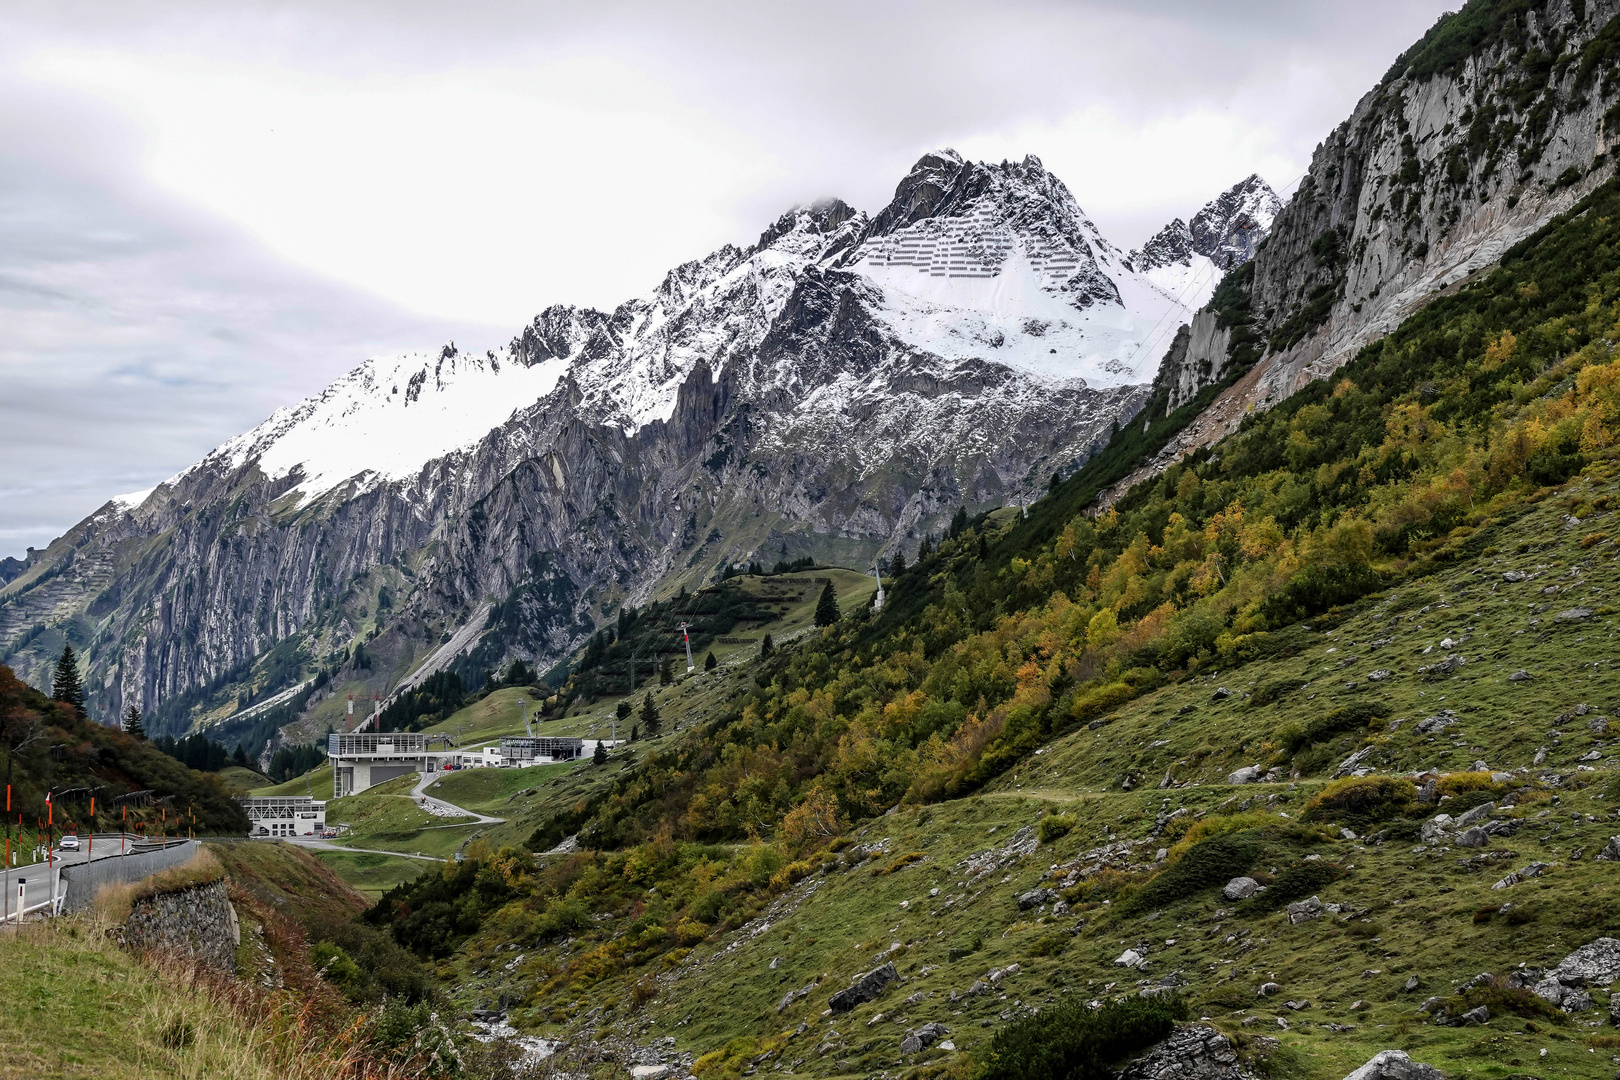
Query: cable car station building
column 284, row 815
column 364, row 759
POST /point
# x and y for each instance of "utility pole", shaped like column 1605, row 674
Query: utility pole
column 687, row 637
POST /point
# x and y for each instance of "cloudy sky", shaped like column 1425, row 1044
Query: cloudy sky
column 209, row 210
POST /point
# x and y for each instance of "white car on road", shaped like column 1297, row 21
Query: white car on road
column 69, row 842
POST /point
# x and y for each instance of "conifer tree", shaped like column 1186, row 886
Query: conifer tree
column 599, row 756
column 827, row 606
column 766, row 647
column 649, row 714
column 134, row 723
column 624, row 710
column 66, row 685
column 897, row 565
column 635, row 732
column 666, row 673
column 709, row 662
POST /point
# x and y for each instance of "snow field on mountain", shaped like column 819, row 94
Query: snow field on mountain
column 370, row 423
column 1006, row 270
column 1017, row 318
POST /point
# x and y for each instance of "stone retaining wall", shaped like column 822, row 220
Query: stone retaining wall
column 198, row 920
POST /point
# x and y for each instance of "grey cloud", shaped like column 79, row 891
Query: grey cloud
column 139, row 332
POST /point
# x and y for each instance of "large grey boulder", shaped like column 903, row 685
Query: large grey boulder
column 1395, row 1065
column 1191, row 1052
column 1611, row 850
column 1240, row 888
column 1309, row 908
column 920, row 1039
column 1596, row 963
column 865, row 988
column 1246, row 775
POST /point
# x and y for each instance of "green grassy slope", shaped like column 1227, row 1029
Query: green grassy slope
column 1403, row 575
column 51, row 750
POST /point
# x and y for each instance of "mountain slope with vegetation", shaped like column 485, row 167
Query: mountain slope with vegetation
column 1295, row 658
column 52, row 748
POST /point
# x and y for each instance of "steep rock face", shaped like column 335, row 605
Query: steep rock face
column 1227, row 231
column 835, row 389
column 1230, row 229
column 1496, row 121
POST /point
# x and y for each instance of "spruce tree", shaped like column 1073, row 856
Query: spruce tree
column 649, row 714
column 766, row 647
column 709, row 662
column 827, row 606
column 898, row 565
column 599, row 756
column 134, row 725
column 66, row 685
column 666, row 673
column 624, row 710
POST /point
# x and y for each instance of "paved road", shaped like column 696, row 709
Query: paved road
column 38, row 875
column 327, row 845
column 419, row 792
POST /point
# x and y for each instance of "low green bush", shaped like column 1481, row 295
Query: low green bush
column 1331, row 723
column 1275, row 691
column 1069, row 1041
column 1205, row 865
column 1296, row 882
column 1054, row 826
column 1362, row 801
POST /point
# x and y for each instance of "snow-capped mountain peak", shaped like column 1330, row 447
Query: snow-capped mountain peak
column 391, row 415
column 969, row 262
column 1230, row 227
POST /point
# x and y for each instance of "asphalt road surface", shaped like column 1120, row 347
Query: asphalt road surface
column 38, row 875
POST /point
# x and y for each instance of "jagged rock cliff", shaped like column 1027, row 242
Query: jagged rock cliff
column 1501, row 117
column 835, row 389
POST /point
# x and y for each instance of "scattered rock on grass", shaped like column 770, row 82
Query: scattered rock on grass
column 1194, row 1050
column 1395, row 1065
column 1035, row 898
column 1596, row 963
column 865, row 988
column 1240, row 888
column 1309, row 908
column 918, row 1040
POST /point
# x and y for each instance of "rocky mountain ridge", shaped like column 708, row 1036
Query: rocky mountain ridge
column 1499, row 119
column 835, row 389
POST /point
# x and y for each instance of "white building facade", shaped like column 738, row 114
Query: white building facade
column 284, row 815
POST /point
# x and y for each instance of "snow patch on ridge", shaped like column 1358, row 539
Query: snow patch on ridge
column 389, row 417
column 131, row 501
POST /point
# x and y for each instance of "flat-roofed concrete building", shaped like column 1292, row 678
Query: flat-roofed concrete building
column 364, row 759
column 284, row 815
column 520, row 750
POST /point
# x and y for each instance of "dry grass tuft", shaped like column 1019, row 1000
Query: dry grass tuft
column 113, row 903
